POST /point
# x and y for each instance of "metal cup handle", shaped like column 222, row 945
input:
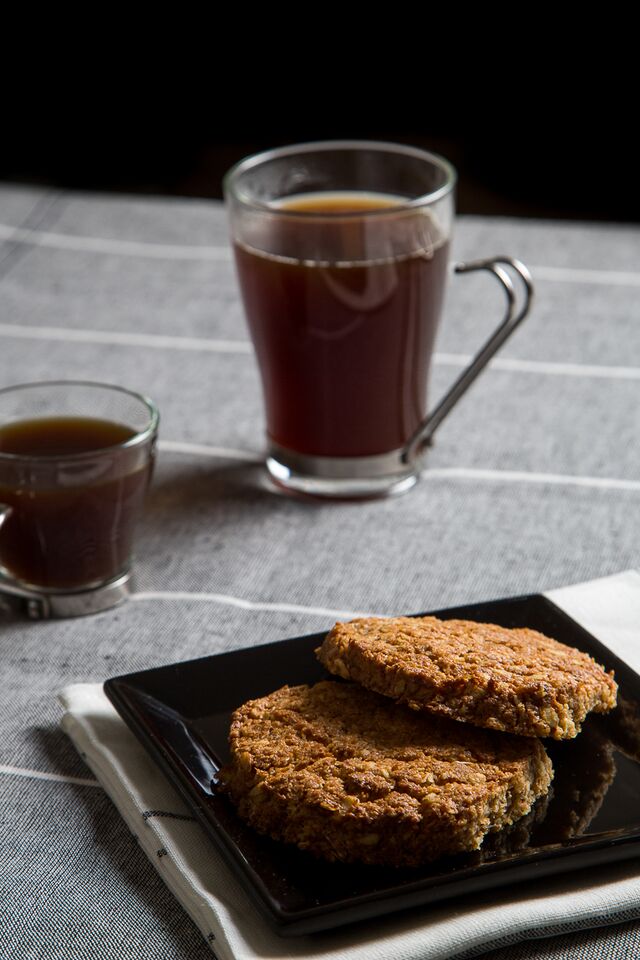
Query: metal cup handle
column 14, row 597
column 514, row 315
column 42, row 605
column 4, row 512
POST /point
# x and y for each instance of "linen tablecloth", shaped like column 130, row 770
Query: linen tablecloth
column 533, row 483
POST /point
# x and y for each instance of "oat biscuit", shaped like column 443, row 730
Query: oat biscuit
column 514, row 680
column 348, row 775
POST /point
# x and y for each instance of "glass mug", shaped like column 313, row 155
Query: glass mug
column 75, row 463
column 341, row 250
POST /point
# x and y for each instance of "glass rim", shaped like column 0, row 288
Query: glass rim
column 230, row 187
column 138, row 439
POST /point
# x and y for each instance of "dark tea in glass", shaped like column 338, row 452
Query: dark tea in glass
column 344, row 343
column 76, row 529
column 75, row 463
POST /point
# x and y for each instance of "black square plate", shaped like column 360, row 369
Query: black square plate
column 181, row 714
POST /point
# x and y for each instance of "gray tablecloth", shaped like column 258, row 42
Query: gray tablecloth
column 533, row 483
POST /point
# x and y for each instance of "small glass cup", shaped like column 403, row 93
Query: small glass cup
column 341, row 250
column 75, row 462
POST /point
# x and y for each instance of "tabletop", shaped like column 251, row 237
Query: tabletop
column 532, row 484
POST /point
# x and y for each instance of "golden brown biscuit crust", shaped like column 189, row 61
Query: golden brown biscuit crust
column 351, row 776
column 518, row 680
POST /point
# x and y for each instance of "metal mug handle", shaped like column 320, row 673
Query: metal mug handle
column 4, row 512
column 513, row 317
column 15, row 598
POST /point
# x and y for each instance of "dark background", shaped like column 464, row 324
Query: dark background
column 500, row 172
column 526, row 140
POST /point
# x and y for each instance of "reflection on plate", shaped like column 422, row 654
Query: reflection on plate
column 181, row 715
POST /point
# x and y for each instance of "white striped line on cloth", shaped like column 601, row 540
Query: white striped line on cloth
column 512, row 364
column 172, row 251
column 432, row 473
column 126, row 248
column 205, row 450
column 121, row 338
column 41, row 775
column 620, row 278
column 204, row 344
column 524, row 476
column 244, row 604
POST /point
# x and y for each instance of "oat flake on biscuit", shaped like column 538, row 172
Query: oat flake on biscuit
column 350, row 776
column 516, row 680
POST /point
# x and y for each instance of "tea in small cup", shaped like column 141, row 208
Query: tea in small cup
column 75, row 463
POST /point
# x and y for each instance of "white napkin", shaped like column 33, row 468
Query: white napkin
column 190, row 866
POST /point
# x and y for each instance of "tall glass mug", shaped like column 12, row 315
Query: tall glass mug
column 342, row 251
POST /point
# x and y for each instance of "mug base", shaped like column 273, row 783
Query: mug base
column 44, row 603
column 340, row 478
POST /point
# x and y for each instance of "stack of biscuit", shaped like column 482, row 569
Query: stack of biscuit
column 429, row 741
